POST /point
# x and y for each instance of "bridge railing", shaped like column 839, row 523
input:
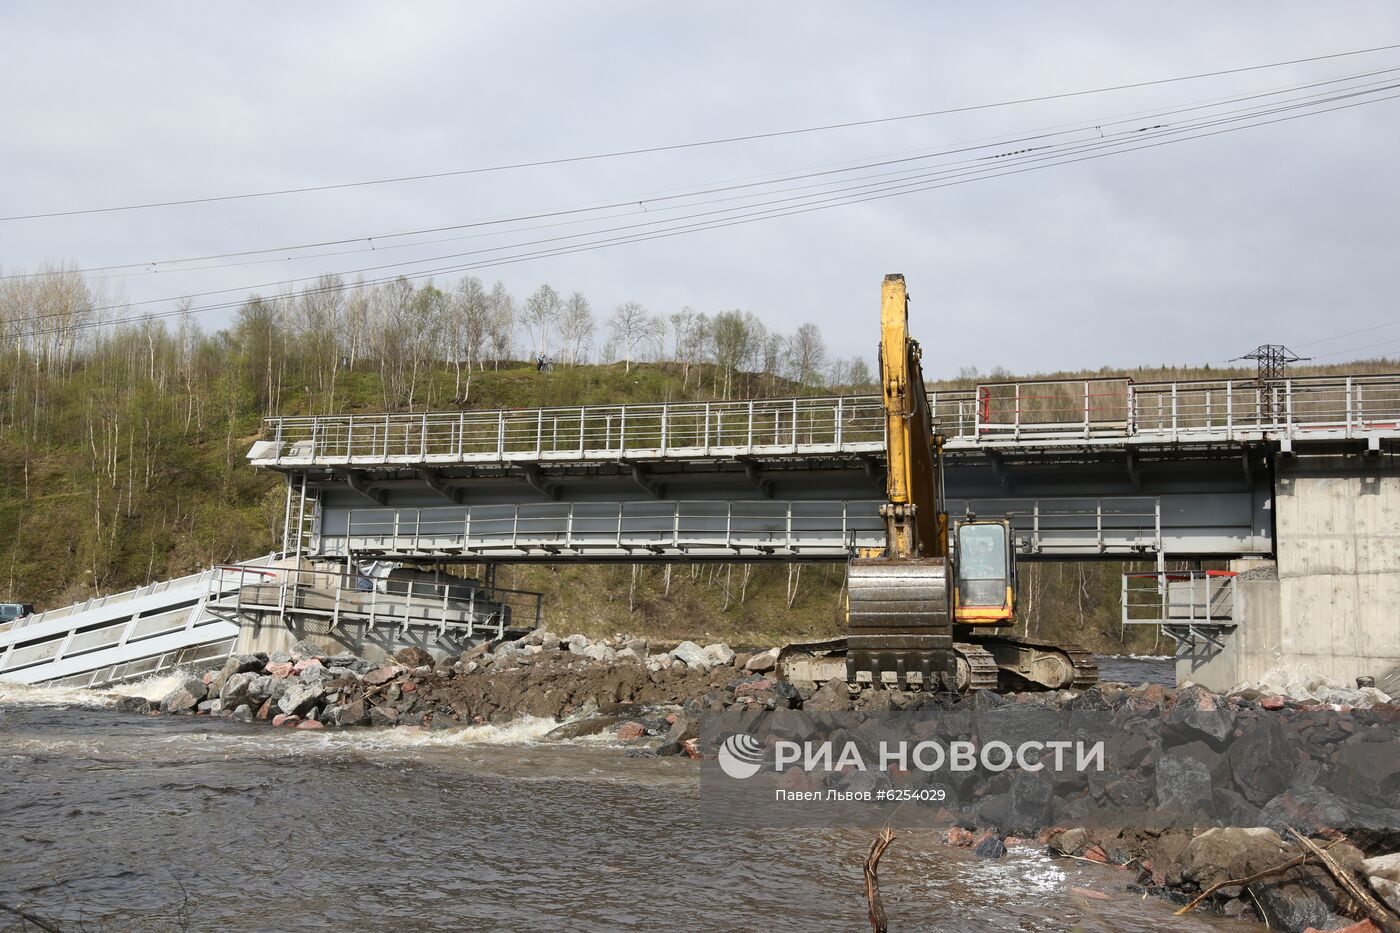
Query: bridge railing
column 1109, row 407
column 356, row 599
column 1054, row 408
column 604, row 430
column 97, row 602
column 1179, row 597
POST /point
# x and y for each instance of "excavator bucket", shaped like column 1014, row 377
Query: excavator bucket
column 900, row 631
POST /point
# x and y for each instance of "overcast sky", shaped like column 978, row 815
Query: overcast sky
column 1177, row 254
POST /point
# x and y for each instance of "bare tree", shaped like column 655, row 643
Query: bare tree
column 807, row 352
column 576, row 327
column 691, row 331
column 318, row 310
column 356, row 323
column 541, row 316
column 467, row 330
column 393, row 339
column 428, row 313
column 501, row 322
column 630, row 326
column 737, row 339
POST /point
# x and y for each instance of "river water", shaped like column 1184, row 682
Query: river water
column 127, row 822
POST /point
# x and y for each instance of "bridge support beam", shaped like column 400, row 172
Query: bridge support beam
column 1329, row 609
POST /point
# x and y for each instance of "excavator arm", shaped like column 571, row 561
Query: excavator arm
column 898, row 609
column 914, row 522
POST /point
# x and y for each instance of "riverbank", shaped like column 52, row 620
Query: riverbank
column 649, row 704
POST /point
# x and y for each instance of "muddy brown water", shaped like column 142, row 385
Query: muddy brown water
column 137, row 823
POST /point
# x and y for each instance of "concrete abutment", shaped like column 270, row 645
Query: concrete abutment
column 1331, row 607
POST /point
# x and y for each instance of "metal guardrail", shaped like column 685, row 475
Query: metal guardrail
column 99, row 602
column 1069, row 525
column 1193, row 607
column 341, row 599
column 585, row 432
column 991, row 413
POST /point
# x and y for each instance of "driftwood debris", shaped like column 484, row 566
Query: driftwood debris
column 1379, row 913
column 29, row 918
column 879, row 923
column 1231, row 882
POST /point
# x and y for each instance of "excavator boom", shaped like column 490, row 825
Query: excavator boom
column 897, row 604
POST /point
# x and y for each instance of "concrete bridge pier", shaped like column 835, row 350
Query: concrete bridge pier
column 1329, row 606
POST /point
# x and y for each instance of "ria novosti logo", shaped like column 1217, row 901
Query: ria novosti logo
column 740, row 756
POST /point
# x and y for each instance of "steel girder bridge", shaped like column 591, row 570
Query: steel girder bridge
column 1092, row 468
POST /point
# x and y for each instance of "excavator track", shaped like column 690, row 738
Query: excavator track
column 977, row 668
column 1076, row 667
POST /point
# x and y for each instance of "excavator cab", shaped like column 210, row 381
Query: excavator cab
column 984, row 588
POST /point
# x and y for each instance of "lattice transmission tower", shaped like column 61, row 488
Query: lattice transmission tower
column 1273, row 359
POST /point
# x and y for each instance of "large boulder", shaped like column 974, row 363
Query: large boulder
column 1226, row 853
column 832, row 696
column 351, row 713
column 186, row 697
column 1303, row 899
column 237, row 690
column 692, row 655
column 1383, row 874
column 236, row 664
column 1315, row 809
column 1030, row 803
column 600, row 652
column 719, row 654
column 305, row 649
column 124, row 704
column 383, row 715
column 1183, row 786
column 1197, row 714
column 990, row 846
column 413, row 656
column 300, row 699
column 1368, row 771
column 763, row 662
column 259, row 688
column 381, row 675
column 316, row 673
column 1262, row 762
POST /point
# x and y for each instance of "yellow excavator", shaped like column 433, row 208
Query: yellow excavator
column 921, row 615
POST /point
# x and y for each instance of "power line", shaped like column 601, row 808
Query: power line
column 838, row 200
column 1091, row 145
column 691, row 145
column 1358, row 349
column 1350, row 333
column 373, row 241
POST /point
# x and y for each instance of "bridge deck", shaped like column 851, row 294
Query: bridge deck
column 1094, row 412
